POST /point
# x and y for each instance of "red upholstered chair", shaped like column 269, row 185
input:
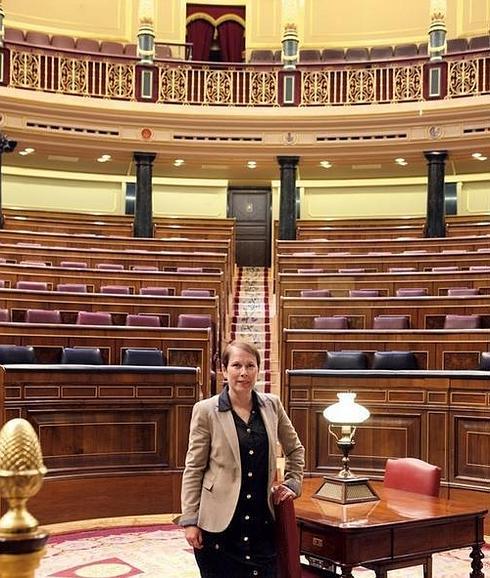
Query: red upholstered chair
column 14, row 35
column 352, row 270
column 37, row 38
column 143, row 320
column 195, row 293
column 108, row 47
column 479, row 42
column 145, row 268
column 316, row 293
column 309, row 55
column 457, row 45
column 32, row 285
column 163, row 51
column 401, row 269
column 458, row 291
column 63, row 42
column 462, row 322
column 193, row 320
column 445, row 269
column 405, row 51
column 411, row 292
column 4, row 315
column 333, row 55
column 2, row 283
column 109, row 267
column 287, row 540
column 480, row 268
column 337, row 322
column 381, row 52
column 87, row 45
column 115, row 289
column 94, row 318
column 131, row 50
column 189, row 269
column 159, row 291
column 262, row 56
column 33, row 263
column 410, row 475
column 72, row 287
column 42, row 316
column 74, row 264
column 364, row 293
column 391, row 322
column 356, row 54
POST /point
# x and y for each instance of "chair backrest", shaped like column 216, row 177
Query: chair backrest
column 309, row 55
column 352, row 270
column 74, row 264
column 394, row 360
column 144, row 357
column 413, row 475
column 87, row 45
column 364, row 293
column 333, row 55
column 160, row 291
column 72, row 287
column 115, row 289
column 261, row 56
column 336, row 322
column 43, row 316
column 193, row 320
column 16, row 354
column 316, row 293
column 480, row 268
column 82, row 356
column 189, row 269
column 30, row 263
column 195, row 293
column 381, row 52
column 346, row 360
column 391, row 322
column 109, row 266
column 356, row 54
column 457, row 45
column 287, row 541
column 94, row 318
column 312, row 271
column 446, row 269
column 405, row 50
column 2, row 283
column 108, row 47
column 485, row 361
column 458, row 291
column 143, row 320
column 145, row 268
column 62, row 41
column 411, row 292
column 479, row 42
column 462, row 322
column 401, row 269
column 32, row 285
column 4, row 315
column 38, row 38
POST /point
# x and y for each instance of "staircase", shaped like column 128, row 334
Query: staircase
column 251, row 321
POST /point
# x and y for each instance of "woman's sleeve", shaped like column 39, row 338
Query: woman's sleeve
column 293, row 449
column 196, row 462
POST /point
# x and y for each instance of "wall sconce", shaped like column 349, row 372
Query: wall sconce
column 2, row 26
column 437, row 30
column 346, row 488
column 290, row 45
column 146, row 32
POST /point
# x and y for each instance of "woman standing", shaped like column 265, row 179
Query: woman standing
column 227, row 492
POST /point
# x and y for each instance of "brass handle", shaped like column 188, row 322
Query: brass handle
column 318, row 542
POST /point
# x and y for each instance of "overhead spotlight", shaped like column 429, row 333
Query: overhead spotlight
column 479, row 157
column 26, row 151
column 401, row 161
column 178, row 162
column 251, row 164
column 104, row 158
column 325, row 164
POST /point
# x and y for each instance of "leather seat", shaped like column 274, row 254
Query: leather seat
column 73, row 264
column 94, row 318
column 109, row 266
column 193, row 320
column 144, row 357
column 391, row 322
column 72, row 287
column 82, row 356
column 309, row 271
column 316, row 293
column 485, row 361
column 189, row 269
column 364, row 293
column 16, row 354
column 462, row 322
column 394, row 360
column 43, row 316
column 346, row 360
column 4, row 315
column 158, row 291
column 32, row 285
column 461, row 291
column 336, row 322
column 143, row 320
column 195, row 293
column 411, row 292
column 115, row 289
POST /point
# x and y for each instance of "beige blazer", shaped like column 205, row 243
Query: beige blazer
column 212, row 477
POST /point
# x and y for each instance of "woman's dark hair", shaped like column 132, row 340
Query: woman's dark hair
column 244, row 346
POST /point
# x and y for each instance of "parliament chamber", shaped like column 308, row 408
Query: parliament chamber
column 310, row 176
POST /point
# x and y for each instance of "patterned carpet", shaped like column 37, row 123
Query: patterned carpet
column 160, row 551
column 251, row 317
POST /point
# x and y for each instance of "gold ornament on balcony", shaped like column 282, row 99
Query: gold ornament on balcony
column 21, row 475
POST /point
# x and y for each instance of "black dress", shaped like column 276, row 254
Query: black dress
column 246, row 549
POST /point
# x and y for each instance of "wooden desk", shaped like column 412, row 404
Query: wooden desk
column 401, row 526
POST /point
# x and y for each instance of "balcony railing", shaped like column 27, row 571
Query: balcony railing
column 180, row 82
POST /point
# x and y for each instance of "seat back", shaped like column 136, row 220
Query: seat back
column 74, row 264
column 189, row 269
column 411, row 292
column 109, row 266
column 193, row 320
column 336, row 322
column 195, row 293
column 401, row 269
column 394, row 360
column 312, row 271
column 352, row 270
column 42, row 316
column 144, row 357
column 159, row 291
column 485, row 361
column 462, row 322
column 4, row 315
column 413, row 475
column 94, row 318
column 346, row 360
column 287, row 541
column 72, row 287
column 459, row 291
column 364, row 293
column 16, row 354
column 316, row 293
column 30, row 263
column 115, row 289
column 391, row 322
column 32, row 285
column 143, row 320
column 145, row 268
column 63, row 42
column 82, row 356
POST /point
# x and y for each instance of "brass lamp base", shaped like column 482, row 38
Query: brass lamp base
column 346, row 490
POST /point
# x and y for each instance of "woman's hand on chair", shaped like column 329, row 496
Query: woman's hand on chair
column 282, row 493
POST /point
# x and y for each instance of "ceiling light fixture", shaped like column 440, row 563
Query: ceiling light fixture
column 479, row 157
column 401, row 161
column 251, row 164
column 325, row 164
column 26, row 151
column 178, row 162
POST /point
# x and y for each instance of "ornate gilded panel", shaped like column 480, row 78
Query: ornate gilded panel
column 463, row 78
column 25, row 70
column 315, row 87
column 173, row 84
column 120, row 81
column 263, row 87
column 219, row 86
column 361, row 86
column 407, row 83
column 73, row 76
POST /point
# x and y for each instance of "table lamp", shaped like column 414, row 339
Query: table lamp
column 345, row 488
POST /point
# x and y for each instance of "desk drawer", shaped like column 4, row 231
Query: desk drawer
column 317, row 544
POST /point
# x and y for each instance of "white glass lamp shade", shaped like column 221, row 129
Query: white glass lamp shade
column 346, row 411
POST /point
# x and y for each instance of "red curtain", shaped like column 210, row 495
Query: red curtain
column 200, row 34
column 231, row 41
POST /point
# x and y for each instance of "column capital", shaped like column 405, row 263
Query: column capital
column 435, row 156
column 290, row 162
column 144, row 157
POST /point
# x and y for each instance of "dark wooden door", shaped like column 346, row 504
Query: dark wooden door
column 252, row 211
